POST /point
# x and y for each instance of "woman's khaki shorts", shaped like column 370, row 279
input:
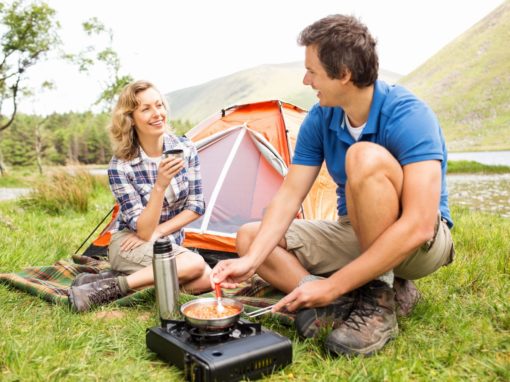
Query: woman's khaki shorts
column 323, row 247
column 131, row 261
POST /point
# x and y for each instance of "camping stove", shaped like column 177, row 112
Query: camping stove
column 244, row 351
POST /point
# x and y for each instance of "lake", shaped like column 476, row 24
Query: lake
column 488, row 193
column 12, row 193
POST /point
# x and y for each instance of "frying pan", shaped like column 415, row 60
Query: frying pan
column 212, row 323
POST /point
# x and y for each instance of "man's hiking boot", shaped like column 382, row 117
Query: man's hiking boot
column 84, row 297
column 371, row 324
column 406, row 296
column 309, row 322
column 87, row 278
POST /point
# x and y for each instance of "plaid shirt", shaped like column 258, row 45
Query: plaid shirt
column 132, row 182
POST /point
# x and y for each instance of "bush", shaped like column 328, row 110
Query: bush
column 63, row 190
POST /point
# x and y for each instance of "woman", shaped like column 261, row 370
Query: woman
column 157, row 198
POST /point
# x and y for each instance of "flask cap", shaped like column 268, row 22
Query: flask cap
column 162, row 246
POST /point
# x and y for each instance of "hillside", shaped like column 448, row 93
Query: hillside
column 467, row 85
column 283, row 81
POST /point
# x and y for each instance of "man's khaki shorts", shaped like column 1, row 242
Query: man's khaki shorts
column 138, row 258
column 323, row 247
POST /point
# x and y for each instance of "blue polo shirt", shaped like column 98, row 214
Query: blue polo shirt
column 398, row 121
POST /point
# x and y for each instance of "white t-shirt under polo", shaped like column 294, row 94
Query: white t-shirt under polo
column 354, row 131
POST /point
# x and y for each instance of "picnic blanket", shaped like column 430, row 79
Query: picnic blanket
column 52, row 284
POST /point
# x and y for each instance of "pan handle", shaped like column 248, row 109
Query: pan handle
column 259, row 312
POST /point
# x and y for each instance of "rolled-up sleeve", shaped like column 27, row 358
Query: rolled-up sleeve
column 195, row 201
column 127, row 197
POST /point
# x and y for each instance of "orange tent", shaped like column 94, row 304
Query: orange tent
column 244, row 152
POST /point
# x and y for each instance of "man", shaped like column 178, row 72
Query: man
column 385, row 150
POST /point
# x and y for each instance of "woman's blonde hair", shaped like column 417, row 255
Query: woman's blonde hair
column 123, row 135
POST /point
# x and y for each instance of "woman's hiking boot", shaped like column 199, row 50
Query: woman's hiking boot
column 309, row 322
column 87, row 278
column 406, row 296
column 371, row 324
column 84, row 297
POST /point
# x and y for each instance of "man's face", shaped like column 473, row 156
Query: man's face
column 328, row 90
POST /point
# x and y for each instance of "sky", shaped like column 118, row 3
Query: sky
column 177, row 44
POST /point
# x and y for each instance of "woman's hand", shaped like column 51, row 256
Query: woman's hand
column 156, row 235
column 131, row 241
column 168, row 168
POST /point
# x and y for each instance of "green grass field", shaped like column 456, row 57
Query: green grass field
column 472, row 167
column 460, row 330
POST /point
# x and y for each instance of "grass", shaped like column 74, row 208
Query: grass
column 63, row 190
column 459, row 331
column 465, row 83
column 470, row 167
column 18, row 178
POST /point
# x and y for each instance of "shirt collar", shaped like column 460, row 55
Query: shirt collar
column 171, row 142
column 372, row 125
column 380, row 91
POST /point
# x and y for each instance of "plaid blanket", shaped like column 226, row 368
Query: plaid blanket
column 52, row 284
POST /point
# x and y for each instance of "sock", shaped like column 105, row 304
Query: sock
column 307, row 278
column 123, row 284
column 387, row 278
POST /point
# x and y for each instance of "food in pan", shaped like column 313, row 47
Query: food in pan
column 210, row 311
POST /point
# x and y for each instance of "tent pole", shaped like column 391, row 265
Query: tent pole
column 221, row 179
column 95, row 229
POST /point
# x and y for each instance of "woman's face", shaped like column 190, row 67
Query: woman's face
column 150, row 115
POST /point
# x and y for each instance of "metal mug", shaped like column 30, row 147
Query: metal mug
column 174, row 153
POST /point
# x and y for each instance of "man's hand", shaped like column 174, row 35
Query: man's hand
column 309, row 295
column 229, row 273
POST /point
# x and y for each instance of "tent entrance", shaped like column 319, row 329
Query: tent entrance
column 241, row 172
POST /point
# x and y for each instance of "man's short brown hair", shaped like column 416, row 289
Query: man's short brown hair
column 343, row 43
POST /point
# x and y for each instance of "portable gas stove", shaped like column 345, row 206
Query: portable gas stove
column 245, row 350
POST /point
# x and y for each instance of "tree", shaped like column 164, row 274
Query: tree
column 28, row 32
column 91, row 56
column 39, row 142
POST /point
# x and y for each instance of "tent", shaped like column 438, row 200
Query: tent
column 244, row 152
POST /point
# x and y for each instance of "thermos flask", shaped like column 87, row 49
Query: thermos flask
column 165, row 279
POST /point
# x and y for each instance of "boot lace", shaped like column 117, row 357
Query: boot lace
column 364, row 307
column 109, row 292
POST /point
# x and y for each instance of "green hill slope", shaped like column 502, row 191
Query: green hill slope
column 265, row 82
column 467, row 85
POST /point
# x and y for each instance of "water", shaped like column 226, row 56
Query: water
column 488, row 193
column 12, row 193
column 98, row 171
column 484, row 157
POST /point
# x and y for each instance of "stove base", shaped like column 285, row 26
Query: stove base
column 236, row 359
